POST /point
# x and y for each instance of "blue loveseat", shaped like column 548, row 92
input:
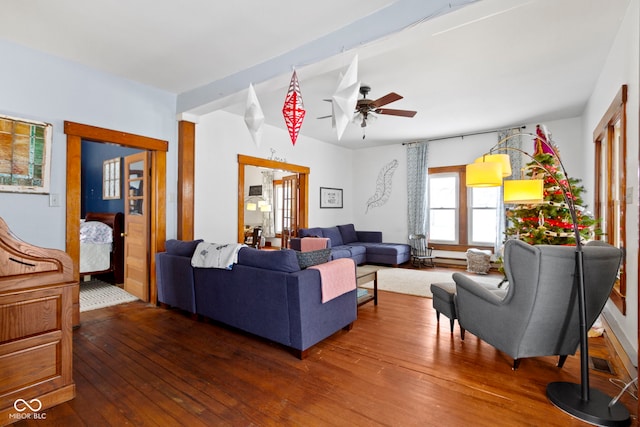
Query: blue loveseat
column 362, row 246
column 265, row 293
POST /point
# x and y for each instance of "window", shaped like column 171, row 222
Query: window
column 111, row 179
column 610, row 205
column 460, row 217
column 444, row 208
column 483, row 205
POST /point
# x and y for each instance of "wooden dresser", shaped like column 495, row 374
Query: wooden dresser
column 36, row 342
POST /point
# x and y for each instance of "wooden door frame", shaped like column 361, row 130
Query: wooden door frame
column 303, row 182
column 158, row 148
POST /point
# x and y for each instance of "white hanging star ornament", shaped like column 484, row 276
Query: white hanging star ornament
column 345, row 98
column 253, row 116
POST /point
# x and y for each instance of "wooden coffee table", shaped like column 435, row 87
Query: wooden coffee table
column 363, row 278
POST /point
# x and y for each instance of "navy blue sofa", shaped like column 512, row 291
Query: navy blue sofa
column 362, row 246
column 265, row 293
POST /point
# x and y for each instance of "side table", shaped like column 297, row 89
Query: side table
column 361, row 279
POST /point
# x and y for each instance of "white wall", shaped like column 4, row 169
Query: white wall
column 622, row 67
column 221, row 136
column 41, row 87
column 391, row 218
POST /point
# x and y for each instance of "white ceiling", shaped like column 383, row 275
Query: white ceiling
column 464, row 67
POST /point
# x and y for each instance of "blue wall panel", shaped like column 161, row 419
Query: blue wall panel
column 93, row 154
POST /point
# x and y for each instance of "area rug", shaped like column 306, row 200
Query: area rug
column 416, row 282
column 96, row 294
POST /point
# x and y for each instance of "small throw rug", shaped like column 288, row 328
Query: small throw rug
column 417, row 282
column 96, row 294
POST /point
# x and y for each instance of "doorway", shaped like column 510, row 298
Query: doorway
column 302, row 173
column 289, row 206
column 157, row 149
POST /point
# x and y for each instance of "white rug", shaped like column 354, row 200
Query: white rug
column 96, row 294
column 416, row 282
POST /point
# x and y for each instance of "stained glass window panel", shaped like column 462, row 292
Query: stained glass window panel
column 25, row 150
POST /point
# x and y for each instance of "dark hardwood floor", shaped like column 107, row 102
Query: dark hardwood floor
column 136, row 364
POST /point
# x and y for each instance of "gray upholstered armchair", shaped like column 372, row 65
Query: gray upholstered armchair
column 539, row 314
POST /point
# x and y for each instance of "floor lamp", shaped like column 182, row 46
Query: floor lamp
column 579, row 400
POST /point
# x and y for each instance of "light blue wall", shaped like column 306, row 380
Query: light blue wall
column 41, row 87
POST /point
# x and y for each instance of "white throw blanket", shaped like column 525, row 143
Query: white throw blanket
column 215, row 255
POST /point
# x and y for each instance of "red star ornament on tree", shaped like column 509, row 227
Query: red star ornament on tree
column 293, row 110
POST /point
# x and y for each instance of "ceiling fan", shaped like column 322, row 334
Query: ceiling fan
column 365, row 106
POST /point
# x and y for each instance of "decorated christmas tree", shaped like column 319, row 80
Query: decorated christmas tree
column 549, row 222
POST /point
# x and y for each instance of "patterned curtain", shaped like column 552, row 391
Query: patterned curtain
column 268, row 223
column 417, row 188
column 516, row 165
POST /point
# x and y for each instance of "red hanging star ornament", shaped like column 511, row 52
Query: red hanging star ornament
column 293, row 110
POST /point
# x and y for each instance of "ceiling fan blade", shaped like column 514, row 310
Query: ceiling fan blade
column 392, row 112
column 324, row 117
column 387, row 99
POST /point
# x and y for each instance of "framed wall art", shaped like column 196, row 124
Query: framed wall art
column 330, row 197
column 255, row 190
column 25, row 155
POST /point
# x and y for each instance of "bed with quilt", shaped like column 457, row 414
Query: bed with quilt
column 102, row 245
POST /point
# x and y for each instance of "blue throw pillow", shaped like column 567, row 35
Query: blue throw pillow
column 333, row 233
column 181, row 247
column 348, row 232
column 283, row 260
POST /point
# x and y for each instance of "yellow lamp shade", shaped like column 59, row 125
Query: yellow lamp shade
column 523, row 191
column 484, row 174
column 503, row 159
column 265, row 208
column 251, row 206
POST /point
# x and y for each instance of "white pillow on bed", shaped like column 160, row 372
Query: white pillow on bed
column 95, row 232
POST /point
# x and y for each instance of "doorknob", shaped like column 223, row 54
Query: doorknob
column 123, row 234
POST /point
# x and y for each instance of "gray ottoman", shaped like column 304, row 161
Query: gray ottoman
column 444, row 301
column 388, row 253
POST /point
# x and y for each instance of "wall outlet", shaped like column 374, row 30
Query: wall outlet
column 54, row 200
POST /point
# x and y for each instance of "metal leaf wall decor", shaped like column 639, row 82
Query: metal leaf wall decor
column 383, row 186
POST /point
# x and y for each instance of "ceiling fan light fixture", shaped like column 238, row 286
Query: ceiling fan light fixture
column 371, row 118
column 364, row 119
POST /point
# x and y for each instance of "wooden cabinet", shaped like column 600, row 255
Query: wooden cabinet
column 36, row 342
